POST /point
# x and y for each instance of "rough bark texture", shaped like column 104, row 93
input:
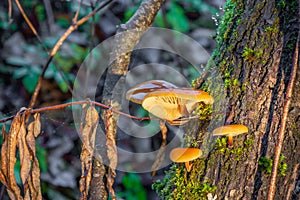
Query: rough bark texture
column 126, row 39
column 256, row 43
column 259, row 52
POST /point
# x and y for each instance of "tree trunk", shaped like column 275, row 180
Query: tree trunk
column 256, row 43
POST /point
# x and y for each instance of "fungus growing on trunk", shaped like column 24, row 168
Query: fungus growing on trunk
column 173, row 103
column 230, row 131
column 185, row 155
column 138, row 92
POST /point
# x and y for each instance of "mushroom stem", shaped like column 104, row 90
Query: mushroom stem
column 188, row 166
column 230, row 141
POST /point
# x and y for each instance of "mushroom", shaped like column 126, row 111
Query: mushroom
column 138, row 92
column 230, row 131
column 185, row 155
column 173, row 103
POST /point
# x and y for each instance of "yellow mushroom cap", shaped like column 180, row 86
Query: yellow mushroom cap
column 185, row 154
column 173, row 103
column 138, row 92
column 232, row 130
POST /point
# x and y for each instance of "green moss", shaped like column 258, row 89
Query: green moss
column 237, row 152
column 204, row 111
column 249, row 142
column 178, row 184
column 244, row 86
column 282, row 167
column 232, row 9
column 190, row 141
column 252, row 55
column 221, row 145
column 266, row 165
column 271, row 29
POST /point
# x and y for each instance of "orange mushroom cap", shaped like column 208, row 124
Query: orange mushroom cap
column 139, row 91
column 173, row 103
column 232, row 130
column 185, row 154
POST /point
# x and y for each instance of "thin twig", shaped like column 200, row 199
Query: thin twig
column 62, row 106
column 29, row 23
column 58, row 45
column 272, row 186
column 9, row 11
column 74, row 20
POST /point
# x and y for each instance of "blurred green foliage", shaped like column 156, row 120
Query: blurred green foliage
column 134, row 189
column 175, row 13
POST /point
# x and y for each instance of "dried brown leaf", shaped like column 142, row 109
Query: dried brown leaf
column 161, row 153
column 3, row 159
column 88, row 132
column 8, row 155
column 33, row 182
column 32, row 187
column 25, row 160
column 111, row 129
column 4, row 133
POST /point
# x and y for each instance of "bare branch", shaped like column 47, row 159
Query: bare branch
column 9, row 10
column 29, row 23
column 62, row 106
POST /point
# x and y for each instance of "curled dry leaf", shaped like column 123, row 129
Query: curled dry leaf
column 162, row 150
column 32, row 187
column 25, row 160
column 88, row 133
column 111, row 129
column 8, row 156
column 2, row 176
column 29, row 172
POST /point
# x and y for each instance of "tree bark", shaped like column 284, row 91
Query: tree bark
column 255, row 46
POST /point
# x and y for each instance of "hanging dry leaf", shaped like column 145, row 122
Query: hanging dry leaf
column 88, row 133
column 25, row 160
column 29, row 172
column 8, row 156
column 161, row 153
column 32, row 187
column 111, row 129
column 3, row 161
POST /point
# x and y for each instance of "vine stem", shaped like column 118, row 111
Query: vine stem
column 62, row 106
column 289, row 91
column 27, row 21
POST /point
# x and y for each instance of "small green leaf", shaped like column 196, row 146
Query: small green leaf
column 21, row 72
column 61, row 83
column 30, row 81
column 18, row 61
column 50, row 72
column 177, row 19
column 159, row 20
column 41, row 155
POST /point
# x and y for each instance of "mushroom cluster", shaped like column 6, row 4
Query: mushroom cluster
column 166, row 101
column 171, row 104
